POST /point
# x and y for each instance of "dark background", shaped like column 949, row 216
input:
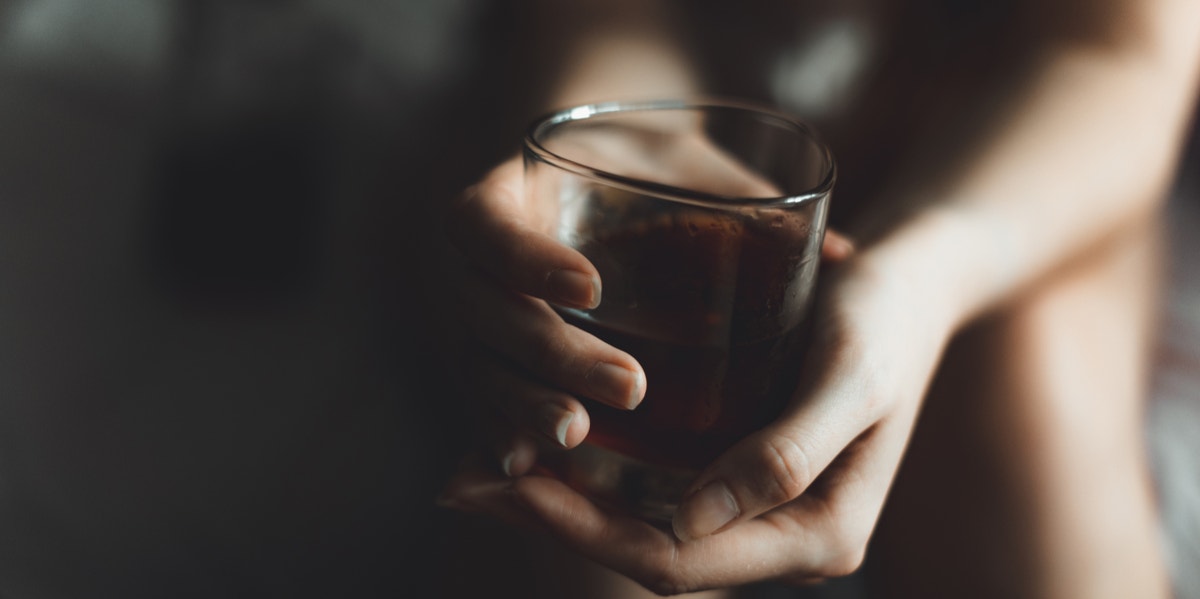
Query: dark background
column 213, row 374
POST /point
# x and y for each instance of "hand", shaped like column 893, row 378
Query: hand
column 797, row 500
column 515, row 353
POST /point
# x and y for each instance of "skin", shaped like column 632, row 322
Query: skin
column 1041, row 482
column 950, row 257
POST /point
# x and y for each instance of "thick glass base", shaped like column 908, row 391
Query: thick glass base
column 624, row 483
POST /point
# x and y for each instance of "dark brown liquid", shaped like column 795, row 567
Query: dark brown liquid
column 700, row 399
column 713, row 310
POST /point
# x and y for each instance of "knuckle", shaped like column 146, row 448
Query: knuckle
column 787, row 468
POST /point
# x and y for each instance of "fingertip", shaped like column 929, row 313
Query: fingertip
column 639, row 388
column 705, row 512
column 506, row 463
column 573, row 289
column 619, row 385
column 578, row 428
column 517, row 456
column 837, row 247
column 554, row 421
column 680, row 530
column 597, row 291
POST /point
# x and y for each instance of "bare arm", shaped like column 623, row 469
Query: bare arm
column 1093, row 133
column 1083, row 132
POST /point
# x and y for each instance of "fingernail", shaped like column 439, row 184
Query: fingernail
column 507, row 461
column 553, row 421
column 573, row 288
column 705, row 512
column 840, row 247
column 616, row 385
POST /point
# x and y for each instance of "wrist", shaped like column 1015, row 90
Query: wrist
column 934, row 264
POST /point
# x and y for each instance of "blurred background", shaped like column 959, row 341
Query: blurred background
column 212, row 382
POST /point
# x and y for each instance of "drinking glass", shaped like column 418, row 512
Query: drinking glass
column 705, row 220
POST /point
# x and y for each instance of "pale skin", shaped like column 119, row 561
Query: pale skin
column 1015, row 283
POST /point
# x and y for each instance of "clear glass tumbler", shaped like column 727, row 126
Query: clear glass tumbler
column 705, row 219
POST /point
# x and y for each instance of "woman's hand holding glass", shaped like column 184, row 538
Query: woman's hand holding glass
column 797, row 500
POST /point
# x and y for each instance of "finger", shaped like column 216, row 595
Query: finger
column 475, row 488
column 528, row 406
column 620, row 542
column 516, row 453
column 762, row 472
column 836, row 247
column 778, row 463
column 789, row 544
column 492, row 226
column 531, row 335
column 761, row 549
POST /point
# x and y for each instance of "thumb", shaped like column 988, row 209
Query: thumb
column 765, row 470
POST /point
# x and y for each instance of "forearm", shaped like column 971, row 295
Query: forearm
column 1089, row 147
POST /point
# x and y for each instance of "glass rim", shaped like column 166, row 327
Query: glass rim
column 671, row 192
